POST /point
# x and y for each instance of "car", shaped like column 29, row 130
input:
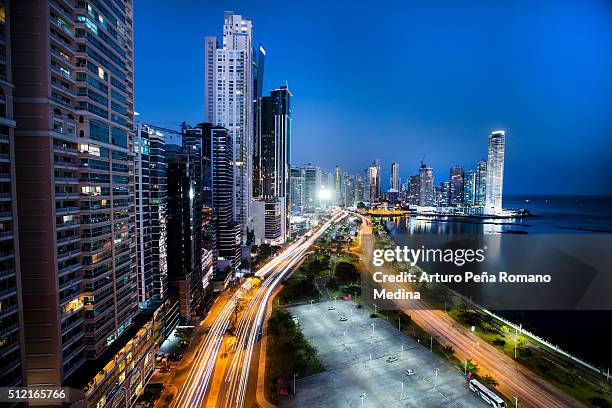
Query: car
column 331, row 308
column 409, row 372
column 391, row 359
column 343, row 318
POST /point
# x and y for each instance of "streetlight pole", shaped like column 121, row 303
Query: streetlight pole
column 294, row 375
column 431, row 343
column 436, row 379
column 372, row 329
column 362, row 396
column 311, row 300
column 515, row 402
column 399, row 324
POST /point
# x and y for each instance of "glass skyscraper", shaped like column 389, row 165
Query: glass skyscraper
column 495, row 172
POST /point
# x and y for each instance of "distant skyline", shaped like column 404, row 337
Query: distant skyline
column 410, row 80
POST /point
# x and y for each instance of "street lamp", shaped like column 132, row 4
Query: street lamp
column 294, row 375
column 515, row 402
column 362, row 396
column 372, row 324
column 436, row 379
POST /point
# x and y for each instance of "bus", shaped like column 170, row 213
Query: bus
column 486, row 394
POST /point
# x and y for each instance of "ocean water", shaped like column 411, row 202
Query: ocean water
column 578, row 332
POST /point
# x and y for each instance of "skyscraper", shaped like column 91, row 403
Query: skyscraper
column 228, row 102
column 480, row 183
column 426, row 186
column 150, row 186
column 75, row 166
column 184, row 209
column 11, row 318
column 396, row 181
column 373, row 180
column 271, row 164
column 495, row 172
column 312, row 184
column 227, row 231
column 360, row 189
column 297, row 190
column 469, row 188
column 456, row 186
column 414, row 190
column 338, row 199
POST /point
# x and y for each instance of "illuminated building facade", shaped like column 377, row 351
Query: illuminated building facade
column 75, row 176
column 495, row 172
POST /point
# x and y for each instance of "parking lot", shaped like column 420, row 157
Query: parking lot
column 355, row 355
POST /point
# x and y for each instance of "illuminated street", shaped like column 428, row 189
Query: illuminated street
column 235, row 377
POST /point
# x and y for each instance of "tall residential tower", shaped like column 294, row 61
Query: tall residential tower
column 495, row 172
column 271, row 164
column 75, row 175
column 228, row 102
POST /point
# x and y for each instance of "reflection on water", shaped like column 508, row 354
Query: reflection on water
column 552, row 215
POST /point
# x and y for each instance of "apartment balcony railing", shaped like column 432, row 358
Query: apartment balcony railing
column 8, row 292
column 6, row 331
column 7, row 273
column 6, row 311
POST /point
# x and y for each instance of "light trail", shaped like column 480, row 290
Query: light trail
column 236, row 375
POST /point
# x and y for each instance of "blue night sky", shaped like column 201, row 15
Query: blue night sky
column 398, row 80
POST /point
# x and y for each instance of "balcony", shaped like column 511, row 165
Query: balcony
column 64, row 74
column 4, row 255
column 66, row 195
column 4, row 158
column 6, row 369
column 8, row 330
column 67, row 180
column 66, row 210
column 5, row 176
column 66, row 150
column 68, row 269
column 7, row 293
column 4, row 235
column 69, row 254
column 70, row 283
column 5, row 197
column 7, row 311
column 4, row 138
column 5, row 216
column 7, row 273
column 68, row 240
column 65, row 225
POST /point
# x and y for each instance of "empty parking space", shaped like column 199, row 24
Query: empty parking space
column 355, row 353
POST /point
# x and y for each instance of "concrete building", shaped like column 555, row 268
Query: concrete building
column 11, row 338
column 414, row 190
column 73, row 104
column 427, row 196
column 373, row 181
column 495, row 172
column 469, row 188
column 312, row 184
column 480, row 183
column 228, row 102
column 151, row 240
column 296, row 183
column 456, row 186
column 396, row 182
column 271, row 165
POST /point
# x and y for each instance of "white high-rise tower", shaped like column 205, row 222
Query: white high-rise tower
column 495, row 172
column 228, row 101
